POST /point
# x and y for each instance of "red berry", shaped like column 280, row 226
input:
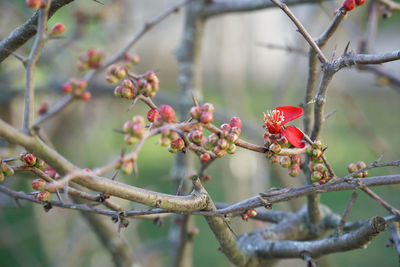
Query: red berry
column 86, row 96
column 38, row 184
column 206, row 117
column 57, row 29
column 205, row 157
column 167, row 113
column 348, row 5
column 235, row 122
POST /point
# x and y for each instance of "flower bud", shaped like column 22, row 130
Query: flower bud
column 285, row 161
column 127, row 167
column 360, row 2
column 29, row 159
column 86, row 96
column 127, row 83
column 205, row 157
column 178, row 144
column 38, row 184
column 6, row 170
column 127, row 93
column 208, row 107
column 197, row 136
column 167, row 113
column 316, row 176
column 316, row 153
column 232, row 138
column 67, row 87
column 40, row 164
column 352, row 168
column 348, row 5
column 138, row 130
column 1, row 177
column 127, row 128
column 320, row 167
column 213, row 139
column 165, row 141
column 43, row 108
column 130, row 140
column 138, row 119
column 317, row 144
column 152, row 114
column 294, row 170
column 275, row 159
column 172, row 150
column 275, row 148
column 235, row 122
column 365, row 174
column 57, row 29
column 245, row 217
column 361, row 164
column 43, row 196
column 235, row 130
column 120, row 72
column 34, row 3
column 195, row 112
column 208, row 145
column 231, row 149
column 111, row 79
column 219, row 152
column 252, row 212
column 296, row 159
column 223, row 144
column 206, row 117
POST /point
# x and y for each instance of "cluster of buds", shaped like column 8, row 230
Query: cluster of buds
column 292, row 163
column 249, row 213
column 149, row 84
column 77, row 88
column 131, row 60
column 353, row 167
column 115, row 73
column 225, row 141
column 31, row 160
column 57, row 30
column 52, row 173
column 40, row 185
column 90, row 59
column 5, row 170
column 34, row 4
column 203, row 114
column 349, row 5
column 319, row 171
column 134, row 130
column 125, row 90
column 164, row 114
column 172, row 140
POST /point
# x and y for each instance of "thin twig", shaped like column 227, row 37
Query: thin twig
column 346, row 212
column 381, row 201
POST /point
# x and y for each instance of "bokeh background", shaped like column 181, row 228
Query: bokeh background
column 241, row 77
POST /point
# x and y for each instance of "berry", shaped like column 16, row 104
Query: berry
column 205, row 157
column 86, row 96
column 57, row 29
column 152, row 114
column 43, row 196
column 38, row 184
column 348, row 5
column 206, row 117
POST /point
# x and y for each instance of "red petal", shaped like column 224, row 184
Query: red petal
column 294, row 136
column 290, row 113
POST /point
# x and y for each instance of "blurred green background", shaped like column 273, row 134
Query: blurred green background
column 240, row 77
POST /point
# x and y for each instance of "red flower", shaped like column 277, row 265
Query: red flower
column 276, row 119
